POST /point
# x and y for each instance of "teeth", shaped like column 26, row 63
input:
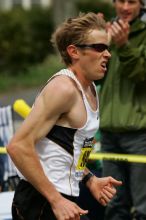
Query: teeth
column 103, row 65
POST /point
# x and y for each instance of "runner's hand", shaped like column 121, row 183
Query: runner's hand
column 65, row 209
column 103, row 189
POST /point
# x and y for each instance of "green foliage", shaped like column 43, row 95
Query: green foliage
column 40, row 73
column 24, row 38
column 96, row 6
column 25, row 43
column 35, row 76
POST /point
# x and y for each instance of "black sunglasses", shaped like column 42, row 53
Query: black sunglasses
column 97, row 47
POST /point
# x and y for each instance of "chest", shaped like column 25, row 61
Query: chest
column 83, row 113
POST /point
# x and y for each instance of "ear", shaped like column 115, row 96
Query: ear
column 73, row 52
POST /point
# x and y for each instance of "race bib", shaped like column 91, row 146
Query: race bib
column 83, row 158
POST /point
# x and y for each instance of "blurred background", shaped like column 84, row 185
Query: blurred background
column 27, row 58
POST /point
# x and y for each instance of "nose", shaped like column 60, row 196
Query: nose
column 125, row 5
column 107, row 53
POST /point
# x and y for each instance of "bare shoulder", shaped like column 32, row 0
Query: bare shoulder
column 61, row 90
column 62, row 85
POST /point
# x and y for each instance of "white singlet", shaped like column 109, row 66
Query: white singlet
column 64, row 152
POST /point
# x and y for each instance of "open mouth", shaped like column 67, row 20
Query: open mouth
column 125, row 16
column 103, row 65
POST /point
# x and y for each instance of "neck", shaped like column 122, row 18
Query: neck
column 86, row 84
column 131, row 22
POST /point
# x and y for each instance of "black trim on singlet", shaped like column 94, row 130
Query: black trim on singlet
column 63, row 136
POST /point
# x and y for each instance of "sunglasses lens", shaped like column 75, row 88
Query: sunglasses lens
column 100, row 47
column 97, row 47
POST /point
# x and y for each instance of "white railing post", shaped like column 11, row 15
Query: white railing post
column 26, row 4
column 6, row 4
column 45, row 3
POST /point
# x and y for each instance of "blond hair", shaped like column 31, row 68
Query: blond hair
column 75, row 31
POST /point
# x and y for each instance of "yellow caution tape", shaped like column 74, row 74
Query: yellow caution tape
column 107, row 156
column 23, row 109
column 3, row 150
column 118, row 157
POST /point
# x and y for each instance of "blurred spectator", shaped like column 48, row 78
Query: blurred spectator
column 1, row 167
column 8, row 176
column 123, row 109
